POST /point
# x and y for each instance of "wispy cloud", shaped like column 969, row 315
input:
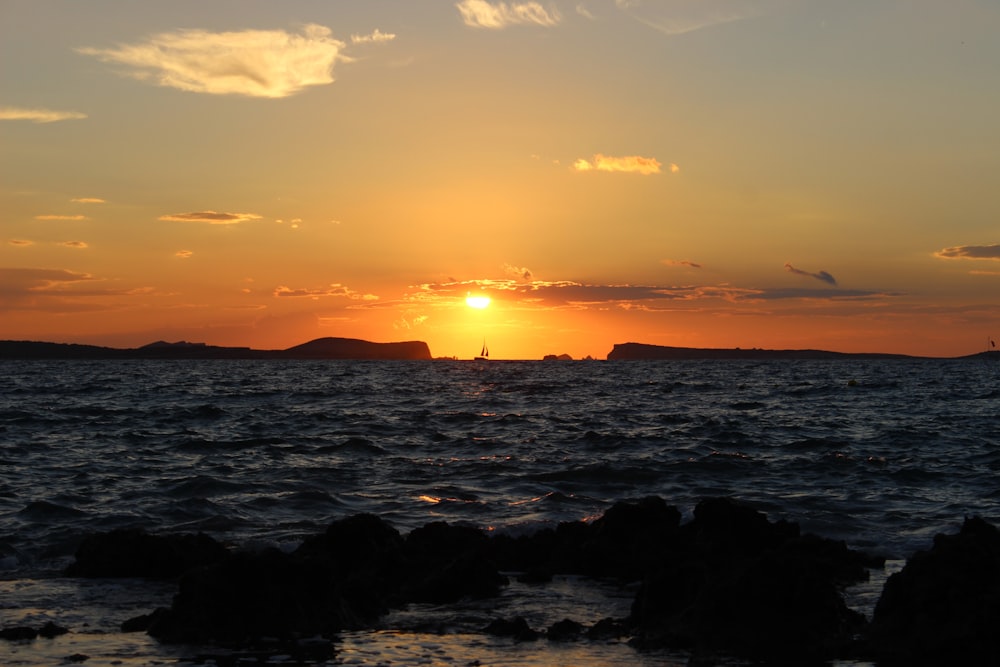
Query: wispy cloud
column 18, row 283
column 682, row 262
column 678, row 18
column 583, row 11
column 377, row 37
column 335, row 289
column 634, row 164
column 38, row 115
column 210, row 217
column 61, row 217
column 517, row 272
column 497, row 15
column 20, row 243
column 819, row 275
column 538, row 294
column 80, row 245
column 970, row 252
column 88, row 200
column 184, row 254
column 255, row 63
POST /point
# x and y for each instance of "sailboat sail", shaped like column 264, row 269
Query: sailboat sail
column 484, row 353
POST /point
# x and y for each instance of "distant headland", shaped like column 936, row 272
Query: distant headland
column 645, row 352
column 321, row 348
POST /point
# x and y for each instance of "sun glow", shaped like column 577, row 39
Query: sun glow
column 477, row 301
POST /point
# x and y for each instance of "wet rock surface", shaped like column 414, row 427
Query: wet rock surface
column 727, row 582
column 943, row 607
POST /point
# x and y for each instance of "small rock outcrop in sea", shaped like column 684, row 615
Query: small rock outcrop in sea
column 943, row 607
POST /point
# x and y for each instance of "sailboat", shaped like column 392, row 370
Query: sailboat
column 484, row 354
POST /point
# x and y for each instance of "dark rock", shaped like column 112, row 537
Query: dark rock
column 130, row 552
column 18, row 633
column 250, row 595
column 50, row 630
column 608, row 628
column 943, row 607
column 564, row 631
column 517, row 628
column 77, row 657
column 736, row 582
column 449, row 563
column 629, row 538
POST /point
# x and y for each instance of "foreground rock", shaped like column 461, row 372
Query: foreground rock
column 727, row 582
column 346, row 578
column 943, row 607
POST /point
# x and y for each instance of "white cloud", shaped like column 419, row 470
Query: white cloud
column 255, row 63
column 684, row 17
column 38, row 115
column 482, row 14
column 377, row 36
column 635, row 164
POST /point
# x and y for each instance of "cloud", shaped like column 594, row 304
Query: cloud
column 821, row 275
column 61, row 217
column 377, row 37
column 23, row 243
column 38, row 115
column 970, row 252
column 678, row 18
column 335, row 289
column 517, row 272
column 584, row 12
column 210, row 217
column 87, row 200
column 18, row 283
column 183, row 254
column 567, row 294
column 255, row 63
column 75, row 244
column 497, row 15
column 681, row 262
column 630, row 163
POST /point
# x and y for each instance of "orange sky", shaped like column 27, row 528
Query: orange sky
column 753, row 173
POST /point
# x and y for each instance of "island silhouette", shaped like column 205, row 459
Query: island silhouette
column 413, row 350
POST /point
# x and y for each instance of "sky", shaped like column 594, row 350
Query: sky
column 783, row 174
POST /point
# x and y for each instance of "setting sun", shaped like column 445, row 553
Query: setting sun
column 477, row 301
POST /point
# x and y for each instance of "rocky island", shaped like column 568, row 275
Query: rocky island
column 645, row 352
column 321, row 348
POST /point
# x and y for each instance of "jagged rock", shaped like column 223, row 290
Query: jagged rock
column 943, row 607
column 18, row 633
column 564, row 631
column 130, row 552
column 517, row 628
column 738, row 583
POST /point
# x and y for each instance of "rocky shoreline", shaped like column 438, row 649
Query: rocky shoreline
column 728, row 582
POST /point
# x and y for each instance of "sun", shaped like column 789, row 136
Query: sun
column 479, row 301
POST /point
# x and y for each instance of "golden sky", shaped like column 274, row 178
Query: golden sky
column 719, row 173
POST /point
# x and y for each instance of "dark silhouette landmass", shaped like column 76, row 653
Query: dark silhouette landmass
column 728, row 582
column 643, row 351
column 321, row 348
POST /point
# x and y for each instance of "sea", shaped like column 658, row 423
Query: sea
column 880, row 453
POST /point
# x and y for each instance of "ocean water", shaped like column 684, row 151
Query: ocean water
column 880, row 453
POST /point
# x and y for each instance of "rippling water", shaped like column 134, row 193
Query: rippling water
column 883, row 454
